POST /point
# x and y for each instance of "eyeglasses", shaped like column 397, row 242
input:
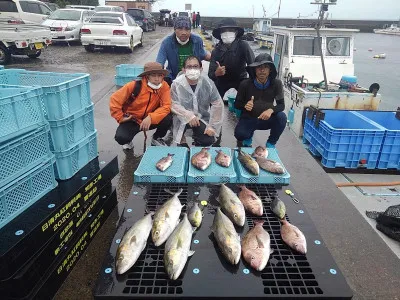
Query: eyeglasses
column 192, row 67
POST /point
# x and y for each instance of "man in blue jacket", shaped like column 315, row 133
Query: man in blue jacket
column 179, row 46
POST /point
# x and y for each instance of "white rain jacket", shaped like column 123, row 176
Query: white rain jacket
column 204, row 103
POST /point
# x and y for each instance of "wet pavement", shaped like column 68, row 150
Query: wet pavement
column 370, row 268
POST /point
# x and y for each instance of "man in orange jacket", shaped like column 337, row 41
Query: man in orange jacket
column 147, row 110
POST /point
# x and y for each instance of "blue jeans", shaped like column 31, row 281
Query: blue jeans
column 246, row 126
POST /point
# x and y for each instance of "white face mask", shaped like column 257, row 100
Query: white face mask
column 180, row 42
column 192, row 74
column 153, row 86
column 228, row 37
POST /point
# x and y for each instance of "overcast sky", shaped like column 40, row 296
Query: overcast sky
column 345, row 9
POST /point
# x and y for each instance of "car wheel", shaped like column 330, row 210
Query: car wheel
column 5, row 55
column 89, row 48
column 35, row 55
column 141, row 41
column 131, row 45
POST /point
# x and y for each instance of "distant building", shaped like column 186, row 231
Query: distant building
column 130, row 4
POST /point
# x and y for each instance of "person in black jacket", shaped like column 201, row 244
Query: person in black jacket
column 230, row 56
column 255, row 98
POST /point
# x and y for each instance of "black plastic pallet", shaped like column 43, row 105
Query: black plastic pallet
column 207, row 274
column 45, row 286
column 23, row 237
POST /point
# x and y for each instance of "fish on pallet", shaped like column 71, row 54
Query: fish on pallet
column 177, row 249
column 251, row 202
column 195, row 215
column 269, row 165
column 223, row 159
column 260, row 151
column 166, row 218
column 256, row 246
column 226, row 236
column 133, row 243
column 202, row 159
column 165, row 162
column 231, row 205
column 278, row 208
column 293, row 237
column 248, row 163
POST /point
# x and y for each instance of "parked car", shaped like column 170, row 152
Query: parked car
column 143, row 18
column 163, row 14
column 88, row 7
column 111, row 29
column 183, row 14
column 66, row 24
column 52, row 6
column 108, row 8
column 26, row 11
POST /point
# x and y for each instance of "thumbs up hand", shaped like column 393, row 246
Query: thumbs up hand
column 220, row 71
column 249, row 105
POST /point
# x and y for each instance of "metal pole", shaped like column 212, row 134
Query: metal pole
column 319, row 25
column 279, row 9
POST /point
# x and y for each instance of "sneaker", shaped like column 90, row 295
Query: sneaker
column 269, row 145
column 158, row 142
column 128, row 146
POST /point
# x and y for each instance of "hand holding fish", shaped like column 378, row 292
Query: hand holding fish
column 249, row 105
column 145, row 125
column 194, row 122
column 266, row 114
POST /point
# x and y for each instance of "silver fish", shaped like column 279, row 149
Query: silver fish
column 256, row 246
column 177, row 249
column 226, row 236
column 260, row 151
column 223, row 159
column 202, row 159
column 232, row 205
column 248, row 163
column 270, row 165
column 166, row 218
column 293, row 237
column 195, row 215
column 133, row 243
column 165, row 162
column 251, row 202
column 278, row 208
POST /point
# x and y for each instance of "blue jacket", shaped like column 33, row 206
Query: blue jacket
column 169, row 52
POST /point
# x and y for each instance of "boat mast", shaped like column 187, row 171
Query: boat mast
column 279, row 9
column 324, row 4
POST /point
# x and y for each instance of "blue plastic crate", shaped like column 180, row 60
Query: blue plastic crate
column 129, row 70
column 67, row 132
column 122, row 80
column 1, row 67
column 20, row 111
column 238, row 112
column 64, row 93
column 19, row 194
column 264, row 177
column 344, row 139
column 231, row 103
column 20, row 155
column 70, row 161
column 147, row 171
column 390, row 151
column 214, row 173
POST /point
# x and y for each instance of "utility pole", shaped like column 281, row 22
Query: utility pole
column 324, row 5
column 279, row 8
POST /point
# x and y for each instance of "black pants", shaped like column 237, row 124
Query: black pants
column 127, row 131
column 200, row 139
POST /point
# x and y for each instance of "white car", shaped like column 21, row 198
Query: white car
column 104, row 8
column 24, row 11
column 111, row 29
column 66, row 24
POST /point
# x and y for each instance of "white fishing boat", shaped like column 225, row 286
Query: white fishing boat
column 263, row 33
column 393, row 29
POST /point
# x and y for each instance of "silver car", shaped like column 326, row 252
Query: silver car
column 66, row 24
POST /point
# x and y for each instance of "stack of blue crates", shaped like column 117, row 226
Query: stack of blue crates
column 344, row 139
column 67, row 107
column 27, row 164
column 127, row 73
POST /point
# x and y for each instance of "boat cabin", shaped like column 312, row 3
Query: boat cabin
column 262, row 26
column 296, row 51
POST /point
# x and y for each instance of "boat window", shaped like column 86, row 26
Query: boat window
column 279, row 43
column 338, row 46
column 306, row 45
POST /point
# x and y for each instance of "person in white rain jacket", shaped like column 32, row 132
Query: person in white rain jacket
column 196, row 104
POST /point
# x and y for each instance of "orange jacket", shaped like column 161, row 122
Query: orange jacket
column 147, row 103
